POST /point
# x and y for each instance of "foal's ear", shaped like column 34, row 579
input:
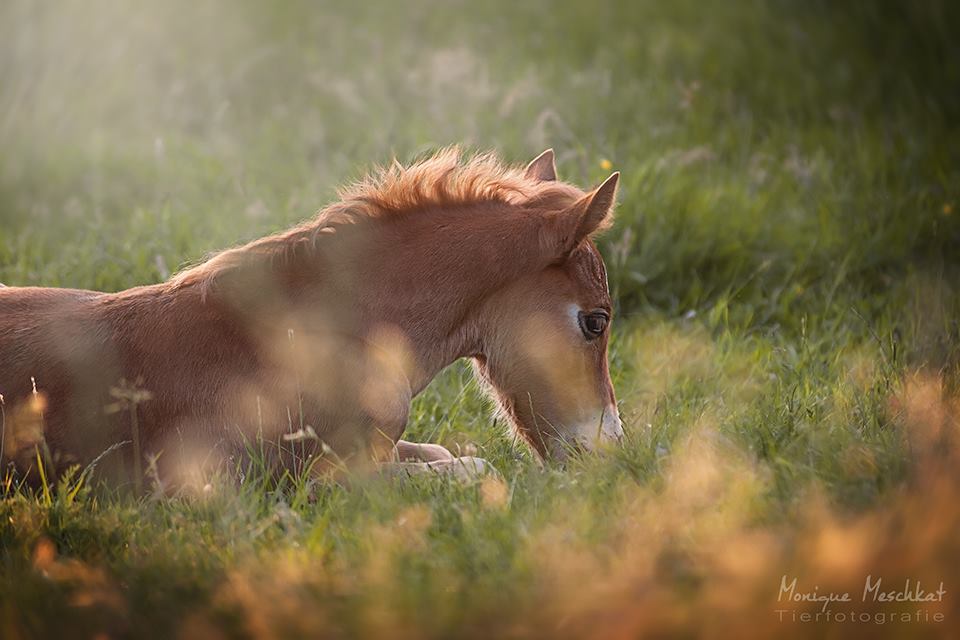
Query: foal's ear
column 588, row 216
column 596, row 209
column 543, row 167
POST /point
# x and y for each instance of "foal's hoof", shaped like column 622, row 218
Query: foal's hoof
column 467, row 468
column 464, row 468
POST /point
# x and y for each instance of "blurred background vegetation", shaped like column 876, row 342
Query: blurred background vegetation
column 786, row 256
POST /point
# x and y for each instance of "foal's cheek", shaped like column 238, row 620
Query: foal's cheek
column 555, row 357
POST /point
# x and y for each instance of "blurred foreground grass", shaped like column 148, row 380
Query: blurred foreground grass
column 787, row 348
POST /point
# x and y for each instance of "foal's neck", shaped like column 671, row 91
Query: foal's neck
column 426, row 275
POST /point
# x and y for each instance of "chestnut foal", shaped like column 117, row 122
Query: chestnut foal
column 315, row 340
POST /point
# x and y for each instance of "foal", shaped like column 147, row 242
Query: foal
column 317, row 338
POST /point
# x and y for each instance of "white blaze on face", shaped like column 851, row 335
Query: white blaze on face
column 605, row 425
column 573, row 312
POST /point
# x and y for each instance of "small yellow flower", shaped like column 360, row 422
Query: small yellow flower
column 947, row 208
column 606, row 165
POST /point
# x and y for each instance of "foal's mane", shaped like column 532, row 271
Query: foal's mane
column 444, row 179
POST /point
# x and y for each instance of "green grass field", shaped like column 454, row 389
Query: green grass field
column 786, row 264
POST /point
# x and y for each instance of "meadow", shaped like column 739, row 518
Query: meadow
column 786, row 347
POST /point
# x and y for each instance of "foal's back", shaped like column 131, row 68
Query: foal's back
column 70, row 360
column 31, row 322
column 40, row 331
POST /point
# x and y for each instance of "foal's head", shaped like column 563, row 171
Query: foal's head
column 545, row 352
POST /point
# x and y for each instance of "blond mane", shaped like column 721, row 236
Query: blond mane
column 444, row 179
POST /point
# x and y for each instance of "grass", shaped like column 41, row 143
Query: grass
column 785, row 263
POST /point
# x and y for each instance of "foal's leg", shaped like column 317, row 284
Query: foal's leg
column 463, row 468
column 414, row 458
column 422, row 452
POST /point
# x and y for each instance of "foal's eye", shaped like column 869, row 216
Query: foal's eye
column 594, row 323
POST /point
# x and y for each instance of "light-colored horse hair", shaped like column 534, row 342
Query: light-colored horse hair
column 445, row 179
